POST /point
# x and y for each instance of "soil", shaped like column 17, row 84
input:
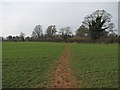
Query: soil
column 63, row 77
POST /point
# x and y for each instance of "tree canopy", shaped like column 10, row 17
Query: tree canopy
column 97, row 23
column 82, row 31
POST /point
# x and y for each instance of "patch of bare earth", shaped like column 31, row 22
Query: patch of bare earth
column 63, row 76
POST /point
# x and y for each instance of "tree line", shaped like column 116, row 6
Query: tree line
column 96, row 27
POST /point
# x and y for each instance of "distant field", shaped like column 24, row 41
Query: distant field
column 28, row 64
column 95, row 65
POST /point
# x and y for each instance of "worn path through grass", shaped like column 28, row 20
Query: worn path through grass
column 63, row 77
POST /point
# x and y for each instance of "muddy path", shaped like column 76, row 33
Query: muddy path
column 63, row 77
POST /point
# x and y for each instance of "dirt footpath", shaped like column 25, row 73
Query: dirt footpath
column 63, row 76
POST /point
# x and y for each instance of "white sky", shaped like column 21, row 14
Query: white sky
column 23, row 16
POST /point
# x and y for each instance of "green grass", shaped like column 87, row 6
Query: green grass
column 27, row 64
column 95, row 65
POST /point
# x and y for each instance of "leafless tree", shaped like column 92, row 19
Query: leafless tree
column 38, row 32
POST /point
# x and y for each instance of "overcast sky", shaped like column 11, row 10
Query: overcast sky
column 24, row 16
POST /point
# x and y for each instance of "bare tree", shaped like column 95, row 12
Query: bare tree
column 65, row 33
column 22, row 36
column 98, row 22
column 38, row 32
column 51, row 31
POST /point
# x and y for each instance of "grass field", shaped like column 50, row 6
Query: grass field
column 28, row 64
column 95, row 65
